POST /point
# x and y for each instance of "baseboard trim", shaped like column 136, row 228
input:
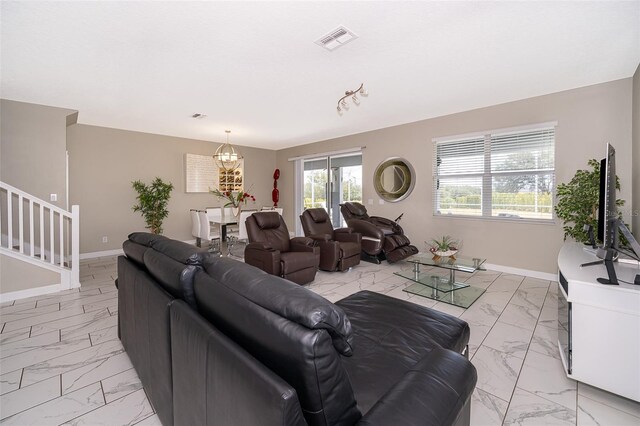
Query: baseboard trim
column 30, row 292
column 94, row 254
column 115, row 252
column 519, row 271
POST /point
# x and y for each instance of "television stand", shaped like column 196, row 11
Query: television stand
column 599, row 325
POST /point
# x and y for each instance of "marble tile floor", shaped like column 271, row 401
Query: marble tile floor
column 62, row 363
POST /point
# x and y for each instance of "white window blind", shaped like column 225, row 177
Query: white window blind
column 507, row 174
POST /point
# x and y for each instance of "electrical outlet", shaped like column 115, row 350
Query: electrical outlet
column 380, row 201
column 370, row 201
column 105, row 239
column 53, row 197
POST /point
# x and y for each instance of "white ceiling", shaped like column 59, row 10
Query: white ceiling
column 254, row 68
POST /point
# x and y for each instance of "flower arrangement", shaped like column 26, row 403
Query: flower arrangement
column 444, row 246
column 234, row 198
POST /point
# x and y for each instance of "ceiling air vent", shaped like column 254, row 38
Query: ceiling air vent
column 336, row 38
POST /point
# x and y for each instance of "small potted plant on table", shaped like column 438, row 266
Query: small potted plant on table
column 443, row 246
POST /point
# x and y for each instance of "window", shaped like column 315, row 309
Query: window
column 502, row 174
column 331, row 180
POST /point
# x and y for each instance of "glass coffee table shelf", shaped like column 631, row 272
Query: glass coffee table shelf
column 440, row 287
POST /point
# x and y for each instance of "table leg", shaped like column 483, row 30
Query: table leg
column 452, row 276
column 416, row 271
column 223, row 232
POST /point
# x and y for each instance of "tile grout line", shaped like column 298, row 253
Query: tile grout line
column 525, row 358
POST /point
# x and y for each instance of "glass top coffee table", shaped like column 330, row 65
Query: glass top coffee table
column 442, row 288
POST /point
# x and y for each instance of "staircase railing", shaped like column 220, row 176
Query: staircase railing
column 40, row 233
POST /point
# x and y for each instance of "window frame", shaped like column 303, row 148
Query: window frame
column 487, row 174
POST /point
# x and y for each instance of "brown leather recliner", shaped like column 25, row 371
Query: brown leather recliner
column 271, row 249
column 339, row 248
column 382, row 238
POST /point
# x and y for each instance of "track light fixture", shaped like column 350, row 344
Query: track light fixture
column 342, row 102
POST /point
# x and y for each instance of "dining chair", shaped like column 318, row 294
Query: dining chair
column 206, row 233
column 195, row 225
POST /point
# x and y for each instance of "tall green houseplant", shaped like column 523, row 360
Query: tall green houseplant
column 152, row 202
column 578, row 202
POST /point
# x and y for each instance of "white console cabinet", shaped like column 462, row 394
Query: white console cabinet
column 598, row 325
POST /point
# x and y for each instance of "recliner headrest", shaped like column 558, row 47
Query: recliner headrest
column 267, row 220
column 356, row 209
column 318, row 215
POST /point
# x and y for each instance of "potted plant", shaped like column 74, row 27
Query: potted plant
column 152, row 202
column 578, row 202
column 444, row 246
column 234, row 199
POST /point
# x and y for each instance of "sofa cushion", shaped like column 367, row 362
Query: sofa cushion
column 175, row 277
column 181, row 252
column 290, row 301
column 134, row 251
column 291, row 330
column 402, row 326
column 390, row 337
column 145, row 238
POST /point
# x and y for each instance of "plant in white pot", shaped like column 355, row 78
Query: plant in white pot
column 443, row 246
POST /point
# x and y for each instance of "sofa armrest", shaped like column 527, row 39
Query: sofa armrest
column 264, row 257
column 435, row 391
column 367, row 229
column 214, row 378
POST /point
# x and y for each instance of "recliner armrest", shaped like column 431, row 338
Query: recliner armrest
column 384, row 222
column 320, row 237
column 367, row 229
column 434, row 392
column 260, row 246
column 347, row 237
column 264, row 257
column 303, row 244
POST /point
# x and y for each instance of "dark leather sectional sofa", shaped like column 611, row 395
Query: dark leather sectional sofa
column 219, row 342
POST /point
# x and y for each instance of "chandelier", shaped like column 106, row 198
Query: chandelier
column 343, row 105
column 227, row 157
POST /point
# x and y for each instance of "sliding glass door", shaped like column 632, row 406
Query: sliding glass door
column 330, row 181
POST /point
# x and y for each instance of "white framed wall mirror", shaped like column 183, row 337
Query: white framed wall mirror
column 394, row 179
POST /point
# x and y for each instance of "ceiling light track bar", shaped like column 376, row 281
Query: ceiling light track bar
column 342, row 102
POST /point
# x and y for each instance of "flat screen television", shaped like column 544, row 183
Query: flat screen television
column 609, row 221
column 607, row 209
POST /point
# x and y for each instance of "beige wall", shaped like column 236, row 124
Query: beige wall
column 16, row 275
column 636, row 155
column 103, row 162
column 33, row 145
column 587, row 118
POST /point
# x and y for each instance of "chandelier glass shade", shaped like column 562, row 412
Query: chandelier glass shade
column 226, row 156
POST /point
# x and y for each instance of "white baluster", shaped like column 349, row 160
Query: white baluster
column 41, row 231
column 52, row 236
column 61, row 232
column 10, row 219
column 31, row 230
column 20, row 224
